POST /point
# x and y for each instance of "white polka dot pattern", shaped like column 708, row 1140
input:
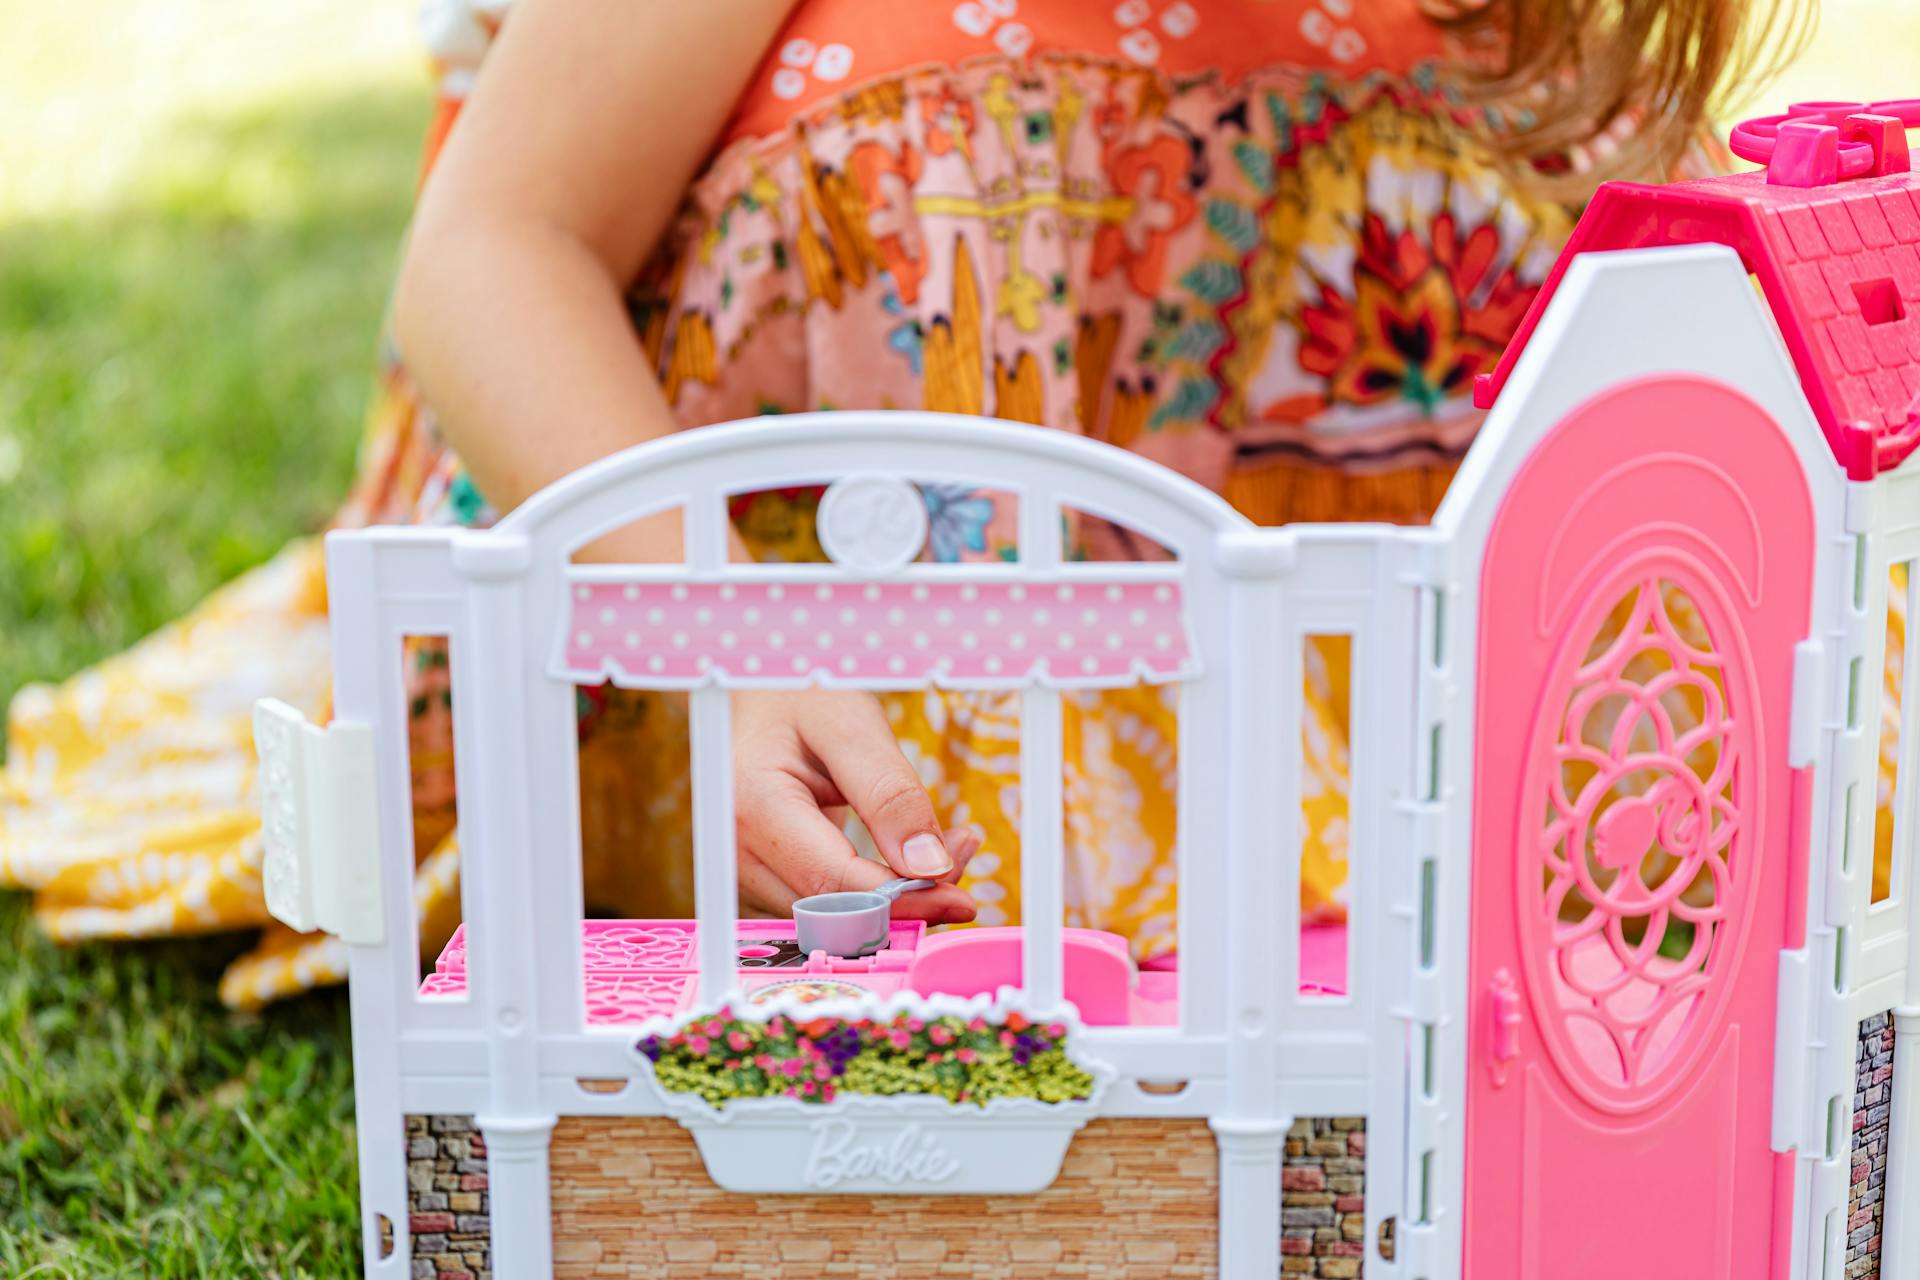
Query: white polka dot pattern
column 1078, row 633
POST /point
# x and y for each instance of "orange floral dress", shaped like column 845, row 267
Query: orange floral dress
column 1253, row 240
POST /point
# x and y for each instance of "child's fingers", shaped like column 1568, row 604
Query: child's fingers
column 942, row 904
column 779, row 824
column 792, row 850
column 962, row 843
column 856, row 744
column 762, row 891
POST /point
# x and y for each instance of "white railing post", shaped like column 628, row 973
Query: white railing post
column 1263, row 838
column 1042, row 775
column 366, row 663
column 716, row 890
column 491, row 729
column 1042, row 823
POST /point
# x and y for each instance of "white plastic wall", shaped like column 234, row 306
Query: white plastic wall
column 1883, row 952
column 1254, row 1053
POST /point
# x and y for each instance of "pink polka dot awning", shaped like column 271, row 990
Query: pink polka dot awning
column 1082, row 633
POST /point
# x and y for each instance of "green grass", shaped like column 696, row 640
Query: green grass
column 143, row 1132
column 183, row 371
column 191, row 282
column 200, row 203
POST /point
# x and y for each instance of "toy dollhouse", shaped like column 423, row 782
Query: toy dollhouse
column 1626, row 983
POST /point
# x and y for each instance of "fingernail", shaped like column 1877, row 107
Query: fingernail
column 926, row 856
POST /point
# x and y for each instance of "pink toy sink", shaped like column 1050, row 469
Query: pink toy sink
column 970, row 962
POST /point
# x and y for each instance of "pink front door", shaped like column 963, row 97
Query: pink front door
column 1645, row 582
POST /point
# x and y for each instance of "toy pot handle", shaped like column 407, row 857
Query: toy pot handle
column 892, row 889
column 1503, row 998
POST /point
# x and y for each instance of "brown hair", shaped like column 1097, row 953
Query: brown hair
column 1627, row 85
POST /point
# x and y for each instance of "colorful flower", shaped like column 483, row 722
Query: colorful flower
column 957, row 519
column 1154, row 174
column 1427, row 314
column 865, row 1056
column 886, row 180
column 948, row 121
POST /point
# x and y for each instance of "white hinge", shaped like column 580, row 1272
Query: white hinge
column 1814, row 1042
column 1862, row 506
column 1416, row 1251
column 1792, row 1054
column 1425, row 560
column 1827, row 1197
column 1807, row 720
column 320, row 868
column 1418, row 1001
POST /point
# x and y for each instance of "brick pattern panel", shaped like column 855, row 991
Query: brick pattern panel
column 631, row 1198
column 1872, row 1117
column 1135, row 1198
column 447, row 1199
column 1323, row 1207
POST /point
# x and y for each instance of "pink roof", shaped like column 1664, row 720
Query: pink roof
column 1838, row 263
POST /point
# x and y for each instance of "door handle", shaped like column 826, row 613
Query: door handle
column 1503, row 998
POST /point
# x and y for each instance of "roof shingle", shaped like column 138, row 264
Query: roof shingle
column 1838, row 264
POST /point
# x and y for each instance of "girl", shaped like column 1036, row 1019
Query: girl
column 1266, row 242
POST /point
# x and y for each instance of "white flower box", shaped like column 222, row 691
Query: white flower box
column 885, row 1144
column 898, row 1145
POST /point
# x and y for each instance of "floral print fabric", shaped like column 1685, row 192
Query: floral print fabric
column 1281, row 286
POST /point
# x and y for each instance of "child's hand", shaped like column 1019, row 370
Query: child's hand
column 797, row 755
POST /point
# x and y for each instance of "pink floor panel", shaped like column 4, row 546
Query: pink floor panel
column 635, row 969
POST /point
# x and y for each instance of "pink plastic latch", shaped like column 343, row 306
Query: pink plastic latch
column 1816, row 144
column 1503, row 996
column 1887, row 135
column 1805, row 155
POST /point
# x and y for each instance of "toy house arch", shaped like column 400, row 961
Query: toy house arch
column 1054, row 474
column 508, row 599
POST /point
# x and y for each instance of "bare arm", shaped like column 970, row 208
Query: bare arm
column 589, row 120
column 587, row 124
